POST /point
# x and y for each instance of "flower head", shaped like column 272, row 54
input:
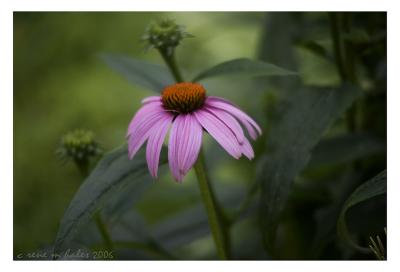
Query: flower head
column 165, row 35
column 79, row 145
column 187, row 109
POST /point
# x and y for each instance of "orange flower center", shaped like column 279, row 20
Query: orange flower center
column 183, row 97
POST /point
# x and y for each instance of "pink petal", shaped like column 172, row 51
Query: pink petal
column 220, row 132
column 235, row 127
column 150, row 99
column 246, row 120
column 247, row 150
column 145, row 110
column 217, row 98
column 155, row 142
column 172, row 147
column 140, row 128
column 230, row 122
column 184, row 145
column 190, row 143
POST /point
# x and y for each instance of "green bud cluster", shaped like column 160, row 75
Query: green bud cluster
column 164, row 35
column 79, row 145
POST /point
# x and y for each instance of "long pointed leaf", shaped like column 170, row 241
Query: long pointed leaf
column 372, row 188
column 243, row 67
column 109, row 180
column 346, row 148
column 148, row 75
column 308, row 115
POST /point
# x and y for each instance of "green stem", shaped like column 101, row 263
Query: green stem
column 349, row 56
column 215, row 216
column 345, row 56
column 170, row 61
column 337, row 43
column 83, row 166
column 345, row 59
column 214, row 212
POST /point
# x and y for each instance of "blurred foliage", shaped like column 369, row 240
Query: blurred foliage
column 61, row 83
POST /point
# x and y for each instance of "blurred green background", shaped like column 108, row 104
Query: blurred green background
column 61, row 83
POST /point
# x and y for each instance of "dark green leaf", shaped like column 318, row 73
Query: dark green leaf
column 345, row 148
column 148, row 75
column 317, row 70
column 120, row 203
column 192, row 223
column 114, row 214
column 281, row 51
column 357, row 36
column 182, row 228
column 304, row 120
column 326, row 217
column 109, row 180
column 314, row 47
column 132, row 235
column 243, row 67
column 133, row 227
column 373, row 187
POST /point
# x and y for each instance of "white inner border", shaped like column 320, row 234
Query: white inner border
column 6, row 146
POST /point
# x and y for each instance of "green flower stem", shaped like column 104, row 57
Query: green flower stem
column 215, row 216
column 344, row 57
column 83, row 166
column 349, row 52
column 170, row 61
column 337, row 43
column 216, row 219
column 350, row 61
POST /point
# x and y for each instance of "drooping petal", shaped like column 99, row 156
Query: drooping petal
column 184, row 145
column 145, row 110
column 247, row 150
column 252, row 127
column 151, row 99
column 229, row 121
column 140, row 130
column 191, row 144
column 155, row 142
column 173, row 146
column 234, row 125
column 220, row 132
column 227, row 105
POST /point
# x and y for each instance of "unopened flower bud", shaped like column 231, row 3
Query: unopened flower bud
column 79, row 145
column 164, row 35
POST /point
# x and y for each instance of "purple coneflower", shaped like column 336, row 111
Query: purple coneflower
column 186, row 107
